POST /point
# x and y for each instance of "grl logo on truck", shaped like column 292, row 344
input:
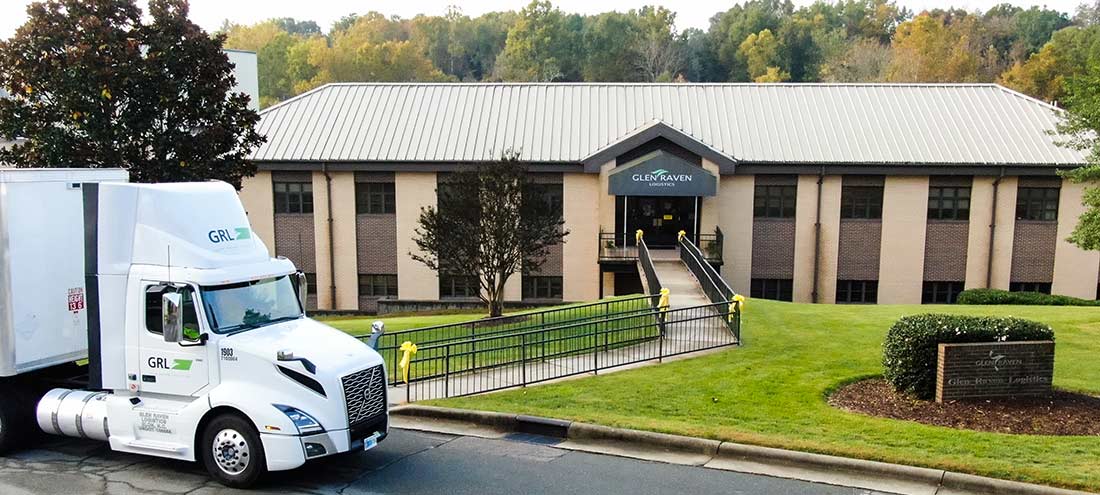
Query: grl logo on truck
column 219, row 236
column 166, row 364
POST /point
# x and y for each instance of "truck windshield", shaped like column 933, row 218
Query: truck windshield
column 253, row 304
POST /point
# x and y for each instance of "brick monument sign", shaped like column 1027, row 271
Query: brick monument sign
column 988, row 370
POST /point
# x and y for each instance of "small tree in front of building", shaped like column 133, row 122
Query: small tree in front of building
column 93, row 84
column 1081, row 127
column 491, row 222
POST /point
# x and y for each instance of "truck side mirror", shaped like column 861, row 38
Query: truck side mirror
column 376, row 330
column 171, row 304
column 303, row 289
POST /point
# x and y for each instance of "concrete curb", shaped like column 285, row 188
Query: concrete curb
column 944, row 480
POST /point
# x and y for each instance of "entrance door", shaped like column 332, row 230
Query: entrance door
column 661, row 218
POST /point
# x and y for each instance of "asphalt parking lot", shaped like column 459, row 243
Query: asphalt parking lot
column 409, row 462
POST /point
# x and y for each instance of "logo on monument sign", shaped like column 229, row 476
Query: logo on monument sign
column 661, row 178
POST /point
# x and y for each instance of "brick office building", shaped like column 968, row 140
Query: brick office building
column 805, row 192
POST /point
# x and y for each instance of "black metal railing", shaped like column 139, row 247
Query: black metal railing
column 711, row 245
column 614, row 248
column 389, row 344
column 489, row 363
column 651, row 284
column 717, row 290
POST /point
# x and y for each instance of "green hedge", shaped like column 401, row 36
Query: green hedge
column 910, row 351
column 997, row 296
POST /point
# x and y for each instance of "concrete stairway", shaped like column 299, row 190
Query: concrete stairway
column 683, row 288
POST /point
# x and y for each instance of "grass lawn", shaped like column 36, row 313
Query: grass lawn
column 772, row 392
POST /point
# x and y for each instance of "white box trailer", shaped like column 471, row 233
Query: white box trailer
column 196, row 341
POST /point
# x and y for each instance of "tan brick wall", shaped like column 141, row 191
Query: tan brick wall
column 414, row 190
column 945, row 251
column 1073, row 273
column 901, row 253
column 858, row 252
column 580, row 265
column 773, row 246
column 735, row 203
column 1033, row 251
column 258, row 198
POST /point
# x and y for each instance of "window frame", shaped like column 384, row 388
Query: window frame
column 862, row 202
column 1035, row 209
column 288, row 202
column 764, row 288
column 533, row 288
column 163, row 287
column 1040, row 287
column 450, row 282
column 931, row 289
column 375, row 198
column 954, row 211
column 865, row 287
column 369, row 285
column 786, row 195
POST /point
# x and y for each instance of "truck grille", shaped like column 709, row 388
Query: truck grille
column 365, row 394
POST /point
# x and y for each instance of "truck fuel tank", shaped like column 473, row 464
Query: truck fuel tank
column 74, row 413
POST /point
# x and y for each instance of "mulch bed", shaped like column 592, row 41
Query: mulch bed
column 1063, row 413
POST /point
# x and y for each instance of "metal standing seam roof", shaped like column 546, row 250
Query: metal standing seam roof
column 921, row 124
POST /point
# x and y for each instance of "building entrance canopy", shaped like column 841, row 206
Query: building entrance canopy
column 661, row 174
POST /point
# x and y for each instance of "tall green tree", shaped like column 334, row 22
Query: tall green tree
column 729, row 30
column 93, row 85
column 543, row 45
column 491, row 223
column 1081, row 131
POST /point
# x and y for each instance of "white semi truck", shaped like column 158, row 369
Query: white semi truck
column 196, row 343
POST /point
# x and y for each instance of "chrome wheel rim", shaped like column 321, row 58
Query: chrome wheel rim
column 231, row 452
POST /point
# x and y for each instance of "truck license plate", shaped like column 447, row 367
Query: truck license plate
column 370, row 442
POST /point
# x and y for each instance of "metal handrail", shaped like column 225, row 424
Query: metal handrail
column 715, row 287
column 645, row 260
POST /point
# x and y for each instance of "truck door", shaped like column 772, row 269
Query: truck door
column 168, row 367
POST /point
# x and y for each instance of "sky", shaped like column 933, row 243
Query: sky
column 210, row 14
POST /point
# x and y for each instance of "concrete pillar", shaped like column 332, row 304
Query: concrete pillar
column 606, row 201
column 345, row 248
column 735, row 201
column 830, row 239
column 979, row 245
column 608, row 284
column 1075, row 270
column 258, row 198
column 325, row 293
column 710, row 208
column 414, row 280
column 904, row 223
column 580, row 262
column 804, row 218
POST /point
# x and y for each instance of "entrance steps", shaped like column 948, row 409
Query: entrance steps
column 684, row 290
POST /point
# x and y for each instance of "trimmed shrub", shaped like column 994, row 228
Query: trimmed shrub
column 911, row 348
column 998, row 296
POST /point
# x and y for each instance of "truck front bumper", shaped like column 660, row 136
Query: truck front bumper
column 285, row 452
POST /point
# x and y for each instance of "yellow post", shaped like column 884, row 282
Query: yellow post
column 663, row 304
column 409, row 349
column 680, row 235
column 638, row 236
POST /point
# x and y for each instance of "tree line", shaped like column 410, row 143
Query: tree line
column 1033, row 50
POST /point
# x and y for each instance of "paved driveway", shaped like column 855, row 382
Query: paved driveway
column 408, row 462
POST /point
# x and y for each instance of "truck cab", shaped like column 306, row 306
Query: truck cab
column 197, row 342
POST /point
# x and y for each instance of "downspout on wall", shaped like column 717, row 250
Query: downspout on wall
column 817, row 233
column 992, row 232
column 331, row 242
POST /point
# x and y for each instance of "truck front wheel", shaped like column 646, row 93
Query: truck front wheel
column 232, row 451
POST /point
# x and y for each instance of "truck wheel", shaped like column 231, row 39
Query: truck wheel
column 232, row 451
column 12, row 420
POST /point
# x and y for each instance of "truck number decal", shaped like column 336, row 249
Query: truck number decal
column 76, row 299
column 227, row 354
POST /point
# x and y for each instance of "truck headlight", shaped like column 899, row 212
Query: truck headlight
column 305, row 423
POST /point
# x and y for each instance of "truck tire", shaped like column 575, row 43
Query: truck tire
column 232, row 452
column 14, row 414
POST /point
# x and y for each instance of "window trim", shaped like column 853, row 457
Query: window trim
column 367, row 192
column 864, row 285
column 954, row 288
column 759, row 288
column 370, row 278
column 476, row 284
column 1042, row 203
column 767, row 192
column 284, row 208
column 1040, row 287
column 954, row 210
column 851, row 196
column 533, row 293
column 200, row 314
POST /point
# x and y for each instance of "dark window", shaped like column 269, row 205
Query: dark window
column 538, row 287
column 154, row 321
column 458, row 286
column 856, row 291
column 861, row 202
column 949, row 203
column 375, row 198
column 779, row 289
column 311, row 283
column 1037, row 203
column 293, row 197
column 1043, row 287
column 552, row 194
column 941, row 292
column 774, row 201
column 378, row 285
